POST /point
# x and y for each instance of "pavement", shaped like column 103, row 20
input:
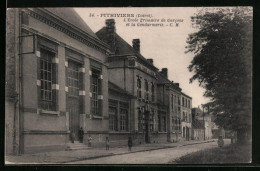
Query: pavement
column 62, row 157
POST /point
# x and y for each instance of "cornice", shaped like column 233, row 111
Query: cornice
column 69, row 30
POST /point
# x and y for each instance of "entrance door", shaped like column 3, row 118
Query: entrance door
column 73, row 97
column 73, row 109
column 187, row 134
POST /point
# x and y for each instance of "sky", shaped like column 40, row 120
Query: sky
column 165, row 45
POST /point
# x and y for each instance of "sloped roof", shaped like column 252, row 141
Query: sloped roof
column 196, row 124
column 123, row 48
column 114, row 87
column 71, row 16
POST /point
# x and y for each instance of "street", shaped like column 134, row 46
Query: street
column 162, row 156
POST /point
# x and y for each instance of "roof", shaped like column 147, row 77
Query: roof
column 196, row 124
column 123, row 48
column 116, row 88
column 186, row 95
column 71, row 16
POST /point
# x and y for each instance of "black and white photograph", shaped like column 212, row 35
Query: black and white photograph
column 128, row 85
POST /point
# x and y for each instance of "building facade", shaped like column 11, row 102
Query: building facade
column 62, row 77
column 186, row 117
column 169, row 95
column 60, row 80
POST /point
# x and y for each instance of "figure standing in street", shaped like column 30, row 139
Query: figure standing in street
column 130, row 143
column 220, row 141
column 89, row 140
column 107, row 143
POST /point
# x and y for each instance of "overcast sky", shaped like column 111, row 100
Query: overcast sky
column 166, row 45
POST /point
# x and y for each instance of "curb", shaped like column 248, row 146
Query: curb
column 160, row 148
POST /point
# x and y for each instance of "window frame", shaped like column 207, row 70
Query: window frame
column 47, row 78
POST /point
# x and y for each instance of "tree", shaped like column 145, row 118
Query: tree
column 222, row 64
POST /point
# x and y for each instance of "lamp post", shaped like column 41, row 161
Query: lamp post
column 203, row 121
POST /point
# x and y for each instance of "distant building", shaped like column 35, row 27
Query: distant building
column 205, row 118
column 197, row 130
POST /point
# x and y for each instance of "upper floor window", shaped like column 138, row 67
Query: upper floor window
column 139, row 88
column 47, row 78
column 172, row 102
column 153, row 98
column 146, row 90
column 188, row 103
column 96, row 91
column 179, row 100
column 182, row 101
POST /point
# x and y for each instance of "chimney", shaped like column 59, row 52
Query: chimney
column 136, row 45
column 150, row 60
column 110, row 28
column 164, row 72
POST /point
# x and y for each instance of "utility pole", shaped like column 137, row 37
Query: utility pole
column 203, row 121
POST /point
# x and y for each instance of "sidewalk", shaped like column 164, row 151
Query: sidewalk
column 57, row 157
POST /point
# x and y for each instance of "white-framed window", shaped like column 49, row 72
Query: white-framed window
column 123, row 119
column 47, row 79
column 95, row 91
column 112, row 118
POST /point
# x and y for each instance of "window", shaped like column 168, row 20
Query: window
column 140, row 121
column 112, row 118
column 146, row 90
column 182, row 101
column 183, row 116
column 153, row 98
column 183, row 132
column 179, row 124
column 188, row 103
column 176, row 124
column 164, row 123
column 159, row 123
column 73, row 78
column 95, row 90
column 151, row 121
column 47, row 77
column 139, row 88
column 172, row 104
column 123, row 119
column 179, row 100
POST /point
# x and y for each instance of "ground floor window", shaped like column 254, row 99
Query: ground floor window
column 140, row 121
column 112, row 119
column 183, row 131
column 123, row 119
column 151, row 121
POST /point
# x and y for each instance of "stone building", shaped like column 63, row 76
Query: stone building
column 136, row 75
column 169, row 95
column 57, row 81
column 186, row 117
column 61, row 77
